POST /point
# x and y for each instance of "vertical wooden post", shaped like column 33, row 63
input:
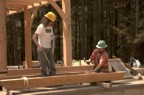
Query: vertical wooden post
column 67, row 41
column 28, row 40
column 3, row 41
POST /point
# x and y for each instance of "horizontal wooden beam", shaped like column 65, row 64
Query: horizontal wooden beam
column 21, row 83
column 21, row 2
column 32, row 72
column 3, row 71
column 18, row 3
column 35, row 3
column 60, row 70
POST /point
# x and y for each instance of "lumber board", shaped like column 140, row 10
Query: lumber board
column 3, row 71
column 33, row 72
column 28, row 42
column 23, row 71
column 67, row 38
column 60, row 70
column 22, row 83
column 17, row 73
column 118, row 65
column 3, row 41
column 134, row 71
column 43, row 2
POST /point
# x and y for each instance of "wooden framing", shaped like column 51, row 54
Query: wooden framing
column 23, row 83
column 14, row 71
column 3, row 41
column 60, row 70
column 67, row 44
column 15, row 3
column 35, row 72
column 15, row 6
column 28, row 41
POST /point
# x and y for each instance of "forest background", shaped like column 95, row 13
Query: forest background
column 119, row 22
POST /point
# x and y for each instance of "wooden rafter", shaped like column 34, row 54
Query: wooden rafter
column 17, row 4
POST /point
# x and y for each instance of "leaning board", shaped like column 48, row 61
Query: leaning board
column 118, row 65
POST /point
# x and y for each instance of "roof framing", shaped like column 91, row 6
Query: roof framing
column 16, row 6
column 9, row 7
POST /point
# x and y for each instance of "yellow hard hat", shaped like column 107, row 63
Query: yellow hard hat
column 51, row 16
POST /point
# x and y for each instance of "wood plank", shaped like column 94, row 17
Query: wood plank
column 58, row 9
column 3, row 71
column 118, row 65
column 60, row 70
column 32, row 72
column 59, row 80
column 23, row 72
column 33, row 1
column 21, row 2
column 28, row 41
column 16, row 7
column 18, row 3
column 43, row 2
column 67, row 39
column 3, row 41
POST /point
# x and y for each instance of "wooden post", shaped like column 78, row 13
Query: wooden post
column 67, row 41
column 3, row 41
column 28, row 39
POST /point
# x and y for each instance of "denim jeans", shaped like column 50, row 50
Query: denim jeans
column 47, row 66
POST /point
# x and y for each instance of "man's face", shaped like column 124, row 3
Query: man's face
column 51, row 23
column 101, row 49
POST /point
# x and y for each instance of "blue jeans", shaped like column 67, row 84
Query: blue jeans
column 46, row 65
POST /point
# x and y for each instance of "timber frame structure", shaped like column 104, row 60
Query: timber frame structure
column 30, row 7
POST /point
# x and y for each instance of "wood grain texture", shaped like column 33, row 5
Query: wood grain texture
column 21, row 83
column 3, row 41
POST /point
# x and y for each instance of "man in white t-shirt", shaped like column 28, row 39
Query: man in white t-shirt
column 44, row 34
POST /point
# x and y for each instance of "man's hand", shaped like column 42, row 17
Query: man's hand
column 40, row 48
column 90, row 72
column 88, row 62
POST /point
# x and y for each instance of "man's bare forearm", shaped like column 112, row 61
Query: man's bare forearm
column 98, row 67
column 34, row 38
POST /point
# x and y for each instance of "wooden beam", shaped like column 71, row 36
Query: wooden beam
column 24, row 1
column 14, row 6
column 21, row 2
column 28, row 41
column 65, row 14
column 34, row 12
column 3, row 41
column 59, row 80
column 67, row 41
column 58, row 9
column 35, row 72
column 60, row 70
column 42, row 3
column 18, row 3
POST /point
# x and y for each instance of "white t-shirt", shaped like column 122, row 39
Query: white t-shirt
column 45, row 35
